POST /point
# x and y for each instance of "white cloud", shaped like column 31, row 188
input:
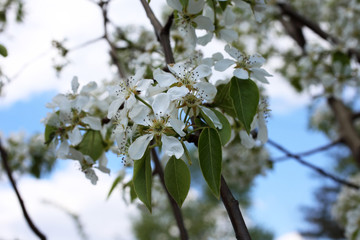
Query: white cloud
column 70, row 189
column 290, row 236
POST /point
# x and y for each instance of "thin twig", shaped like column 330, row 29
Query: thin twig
column 87, row 43
column 22, row 204
column 175, row 208
column 233, row 210
column 310, row 152
column 113, row 53
column 317, row 169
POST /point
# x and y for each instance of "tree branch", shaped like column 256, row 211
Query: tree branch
column 162, row 33
column 312, row 151
column 113, row 53
column 175, row 208
column 317, row 169
column 22, row 204
column 233, row 210
column 347, row 130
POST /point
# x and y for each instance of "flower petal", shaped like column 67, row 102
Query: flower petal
column 223, row 64
column 163, row 78
column 138, row 148
column 233, row 52
column 241, row 73
column 203, row 40
column 177, row 93
column 202, row 71
column 228, row 35
column 178, row 126
column 195, row 6
column 246, row 140
column 204, row 23
column 172, row 146
column 206, row 91
column 75, row 136
column 114, row 107
column 94, row 122
column 175, row 4
column 161, row 104
column 260, row 74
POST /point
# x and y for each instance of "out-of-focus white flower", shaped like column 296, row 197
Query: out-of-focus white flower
column 245, row 66
column 190, row 18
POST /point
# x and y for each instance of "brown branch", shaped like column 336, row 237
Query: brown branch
column 113, row 53
column 22, row 204
column 162, row 33
column 175, row 208
column 317, row 169
column 233, row 210
column 312, row 151
column 286, row 9
column 347, row 130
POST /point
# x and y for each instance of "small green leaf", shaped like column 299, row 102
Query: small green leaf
column 117, row 180
column 91, row 144
column 223, row 100
column 210, row 158
column 245, row 97
column 207, row 119
column 133, row 195
column 177, row 179
column 142, row 179
column 3, row 51
column 50, row 132
column 225, row 131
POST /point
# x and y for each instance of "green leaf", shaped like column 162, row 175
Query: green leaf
column 210, row 158
column 3, row 51
column 245, row 97
column 117, row 180
column 207, row 119
column 223, row 100
column 341, row 57
column 91, row 144
column 225, row 131
column 177, row 179
column 133, row 195
column 142, row 179
column 50, row 132
column 223, row 4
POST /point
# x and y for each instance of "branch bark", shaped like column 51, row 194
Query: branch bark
column 317, row 169
column 22, row 204
column 233, row 210
column 175, row 208
column 347, row 130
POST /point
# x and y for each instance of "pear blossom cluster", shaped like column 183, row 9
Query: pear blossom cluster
column 347, row 211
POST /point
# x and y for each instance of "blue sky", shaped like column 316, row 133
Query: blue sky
column 277, row 196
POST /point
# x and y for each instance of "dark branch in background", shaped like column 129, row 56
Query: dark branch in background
column 347, row 130
column 317, row 169
column 162, row 33
column 231, row 204
column 233, row 210
column 113, row 53
column 175, row 208
column 22, row 204
column 287, row 10
column 310, row 152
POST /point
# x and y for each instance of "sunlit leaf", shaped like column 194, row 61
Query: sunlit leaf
column 3, row 51
column 50, row 132
column 91, row 144
column 117, row 180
